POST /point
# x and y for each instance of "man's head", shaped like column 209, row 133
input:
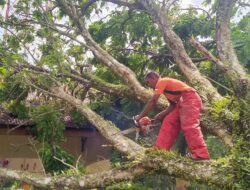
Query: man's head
column 151, row 78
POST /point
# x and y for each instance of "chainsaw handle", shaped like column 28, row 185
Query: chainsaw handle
column 135, row 122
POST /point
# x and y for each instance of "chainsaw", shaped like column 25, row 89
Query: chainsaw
column 144, row 125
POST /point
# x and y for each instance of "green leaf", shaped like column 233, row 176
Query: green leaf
column 3, row 71
column 37, row 14
column 2, row 2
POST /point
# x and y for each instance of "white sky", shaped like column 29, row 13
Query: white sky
column 191, row 2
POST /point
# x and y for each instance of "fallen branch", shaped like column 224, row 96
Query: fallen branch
column 154, row 163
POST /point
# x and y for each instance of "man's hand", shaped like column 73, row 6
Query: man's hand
column 137, row 118
column 148, row 108
column 160, row 116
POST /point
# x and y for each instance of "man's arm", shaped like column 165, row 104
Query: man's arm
column 149, row 106
column 160, row 116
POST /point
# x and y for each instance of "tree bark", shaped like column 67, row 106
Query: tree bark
column 74, row 182
column 229, row 72
column 223, row 36
column 95, row 82
column 126, row 74
column 109, row 131
column 176, row 47
column 225, row 46
column 218, row 129
column 155, row 162
column 179, row 53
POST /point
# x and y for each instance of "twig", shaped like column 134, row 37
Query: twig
column 221, row 85
column 168, row 4
column 197, row 8
column 34, row 147
column 40, row 89
column 66, row 164
column 77, row 161
column 25, row 47
column 243, row 4
column 21, row 124
column 208, row 55
column 123, row 114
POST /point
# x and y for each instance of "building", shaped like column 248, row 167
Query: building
column 19, row 151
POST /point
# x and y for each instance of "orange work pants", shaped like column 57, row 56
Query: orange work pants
column 185, row 117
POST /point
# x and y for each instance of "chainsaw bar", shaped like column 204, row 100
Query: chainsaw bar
column 137, row 130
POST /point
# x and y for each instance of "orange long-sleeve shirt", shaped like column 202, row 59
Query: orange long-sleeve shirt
column 171, row 88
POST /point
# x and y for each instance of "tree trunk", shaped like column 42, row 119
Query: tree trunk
column 225, row 47
column 179, row 53
column 223, row 36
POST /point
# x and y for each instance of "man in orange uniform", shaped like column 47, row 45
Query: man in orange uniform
column 183, row 113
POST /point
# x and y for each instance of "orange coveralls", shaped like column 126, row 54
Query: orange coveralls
column 185, row 116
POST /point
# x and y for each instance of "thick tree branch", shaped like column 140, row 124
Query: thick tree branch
column 177, row 49
column 124, row 72
column 216, row 128
column 123, row 91
column 154, row 163
column 87, row 5
column 95, row 82
column 223, row 35
column 74, row 182
column 167, row 4
column 243, row 4
column 107, row 129
column 224, row 43
column 232, row 75
column 197, row 45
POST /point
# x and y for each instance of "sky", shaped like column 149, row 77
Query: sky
column 191, row 2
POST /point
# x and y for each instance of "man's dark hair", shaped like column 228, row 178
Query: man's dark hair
column 151, row 74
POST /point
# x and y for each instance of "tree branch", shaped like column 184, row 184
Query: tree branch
column 179, row 53
column 156, row 55
column 126, row 4
column 154, row 163
column 197, row 8
column 232, row 75
column 95, row 82
column 243, row 4
column 124, row 72
column 107, row 129
column 208, row 55
column 87, row 5
column 168, row 4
